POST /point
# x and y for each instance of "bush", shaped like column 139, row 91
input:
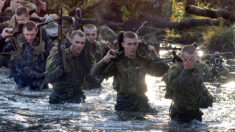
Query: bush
column 221, row 39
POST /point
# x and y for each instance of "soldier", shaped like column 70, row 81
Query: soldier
column 95, row 48
column 21, row 16
column 129, row 70
column 28, row 52
column 67, row 84
column 10, row 11
column 185, row 86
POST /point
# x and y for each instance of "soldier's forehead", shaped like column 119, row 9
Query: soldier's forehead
column 77, row 37
column 90, row 30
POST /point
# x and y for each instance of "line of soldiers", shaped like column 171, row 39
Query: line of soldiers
column 34, row 61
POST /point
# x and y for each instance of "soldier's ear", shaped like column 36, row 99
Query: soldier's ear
column 181, row 57
column 37, row 30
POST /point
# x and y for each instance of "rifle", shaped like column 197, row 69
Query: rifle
column 169, row 48
column 174, row 59
column 119, row 52
column 215, row 60
column 61, row 49
column 138, row 30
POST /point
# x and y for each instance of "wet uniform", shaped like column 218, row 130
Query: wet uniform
column 187, row 91
column 67, row 85
column 97, row 50
column 28, row 61
column 129, row 81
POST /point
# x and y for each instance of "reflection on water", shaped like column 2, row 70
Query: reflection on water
column 31, row 110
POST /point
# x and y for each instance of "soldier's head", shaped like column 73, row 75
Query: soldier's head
column 187, row 52
column 16, row 3
column 21, row 15
column 130, row 44
column 78, row 42
column 30, row 31
column 90, row 31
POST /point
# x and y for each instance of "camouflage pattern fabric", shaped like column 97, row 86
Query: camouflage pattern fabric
column 67, row 87
column 186, row 87
column 129, row 78
column 29, row 66
column 95, row 52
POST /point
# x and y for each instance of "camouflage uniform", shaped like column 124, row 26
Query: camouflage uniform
column 8, row 13
column 28, row 61
column 129, row 81
column 187, row 91
column 95, row 53
column 67, row 86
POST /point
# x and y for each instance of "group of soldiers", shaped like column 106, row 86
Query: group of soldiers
column 36, row 59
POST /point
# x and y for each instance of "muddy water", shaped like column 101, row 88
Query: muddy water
column 24, row 110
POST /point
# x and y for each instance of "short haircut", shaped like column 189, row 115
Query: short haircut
column 89, row 26
column 30, row 25
column 129, row 34
column 22, row 11
column 190, row 49
column 77, row 32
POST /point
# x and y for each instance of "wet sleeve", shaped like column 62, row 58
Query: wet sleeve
column 53, row 67
column 157, row 69
column 5, row 47
column 103, row 70
column 31, row 73
column 181, row 81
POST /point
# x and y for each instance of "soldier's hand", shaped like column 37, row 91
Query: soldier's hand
column 153, row 50
column 190, row 62
column 110, row 55
column 7, row 32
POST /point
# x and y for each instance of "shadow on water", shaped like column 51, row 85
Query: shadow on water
column 24, row 110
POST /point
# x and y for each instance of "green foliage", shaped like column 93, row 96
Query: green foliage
column 125, row 13
column 221, row 39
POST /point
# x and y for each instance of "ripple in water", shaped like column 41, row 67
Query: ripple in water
column 24, row 110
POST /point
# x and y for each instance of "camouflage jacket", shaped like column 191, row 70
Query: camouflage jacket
column 29, row 59
column 66, row 83
column 129, row 75
column 186, row 87
column 6, row 15
column 8, row 12
column 98, row 50
column 9, row 24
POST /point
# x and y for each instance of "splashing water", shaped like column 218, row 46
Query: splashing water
column 23, row 110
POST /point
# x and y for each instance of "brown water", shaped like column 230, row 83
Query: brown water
column 23, row 110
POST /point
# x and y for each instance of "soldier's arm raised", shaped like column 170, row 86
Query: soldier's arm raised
column 104, row 68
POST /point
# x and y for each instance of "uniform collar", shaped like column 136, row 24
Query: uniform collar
column 34, row 43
